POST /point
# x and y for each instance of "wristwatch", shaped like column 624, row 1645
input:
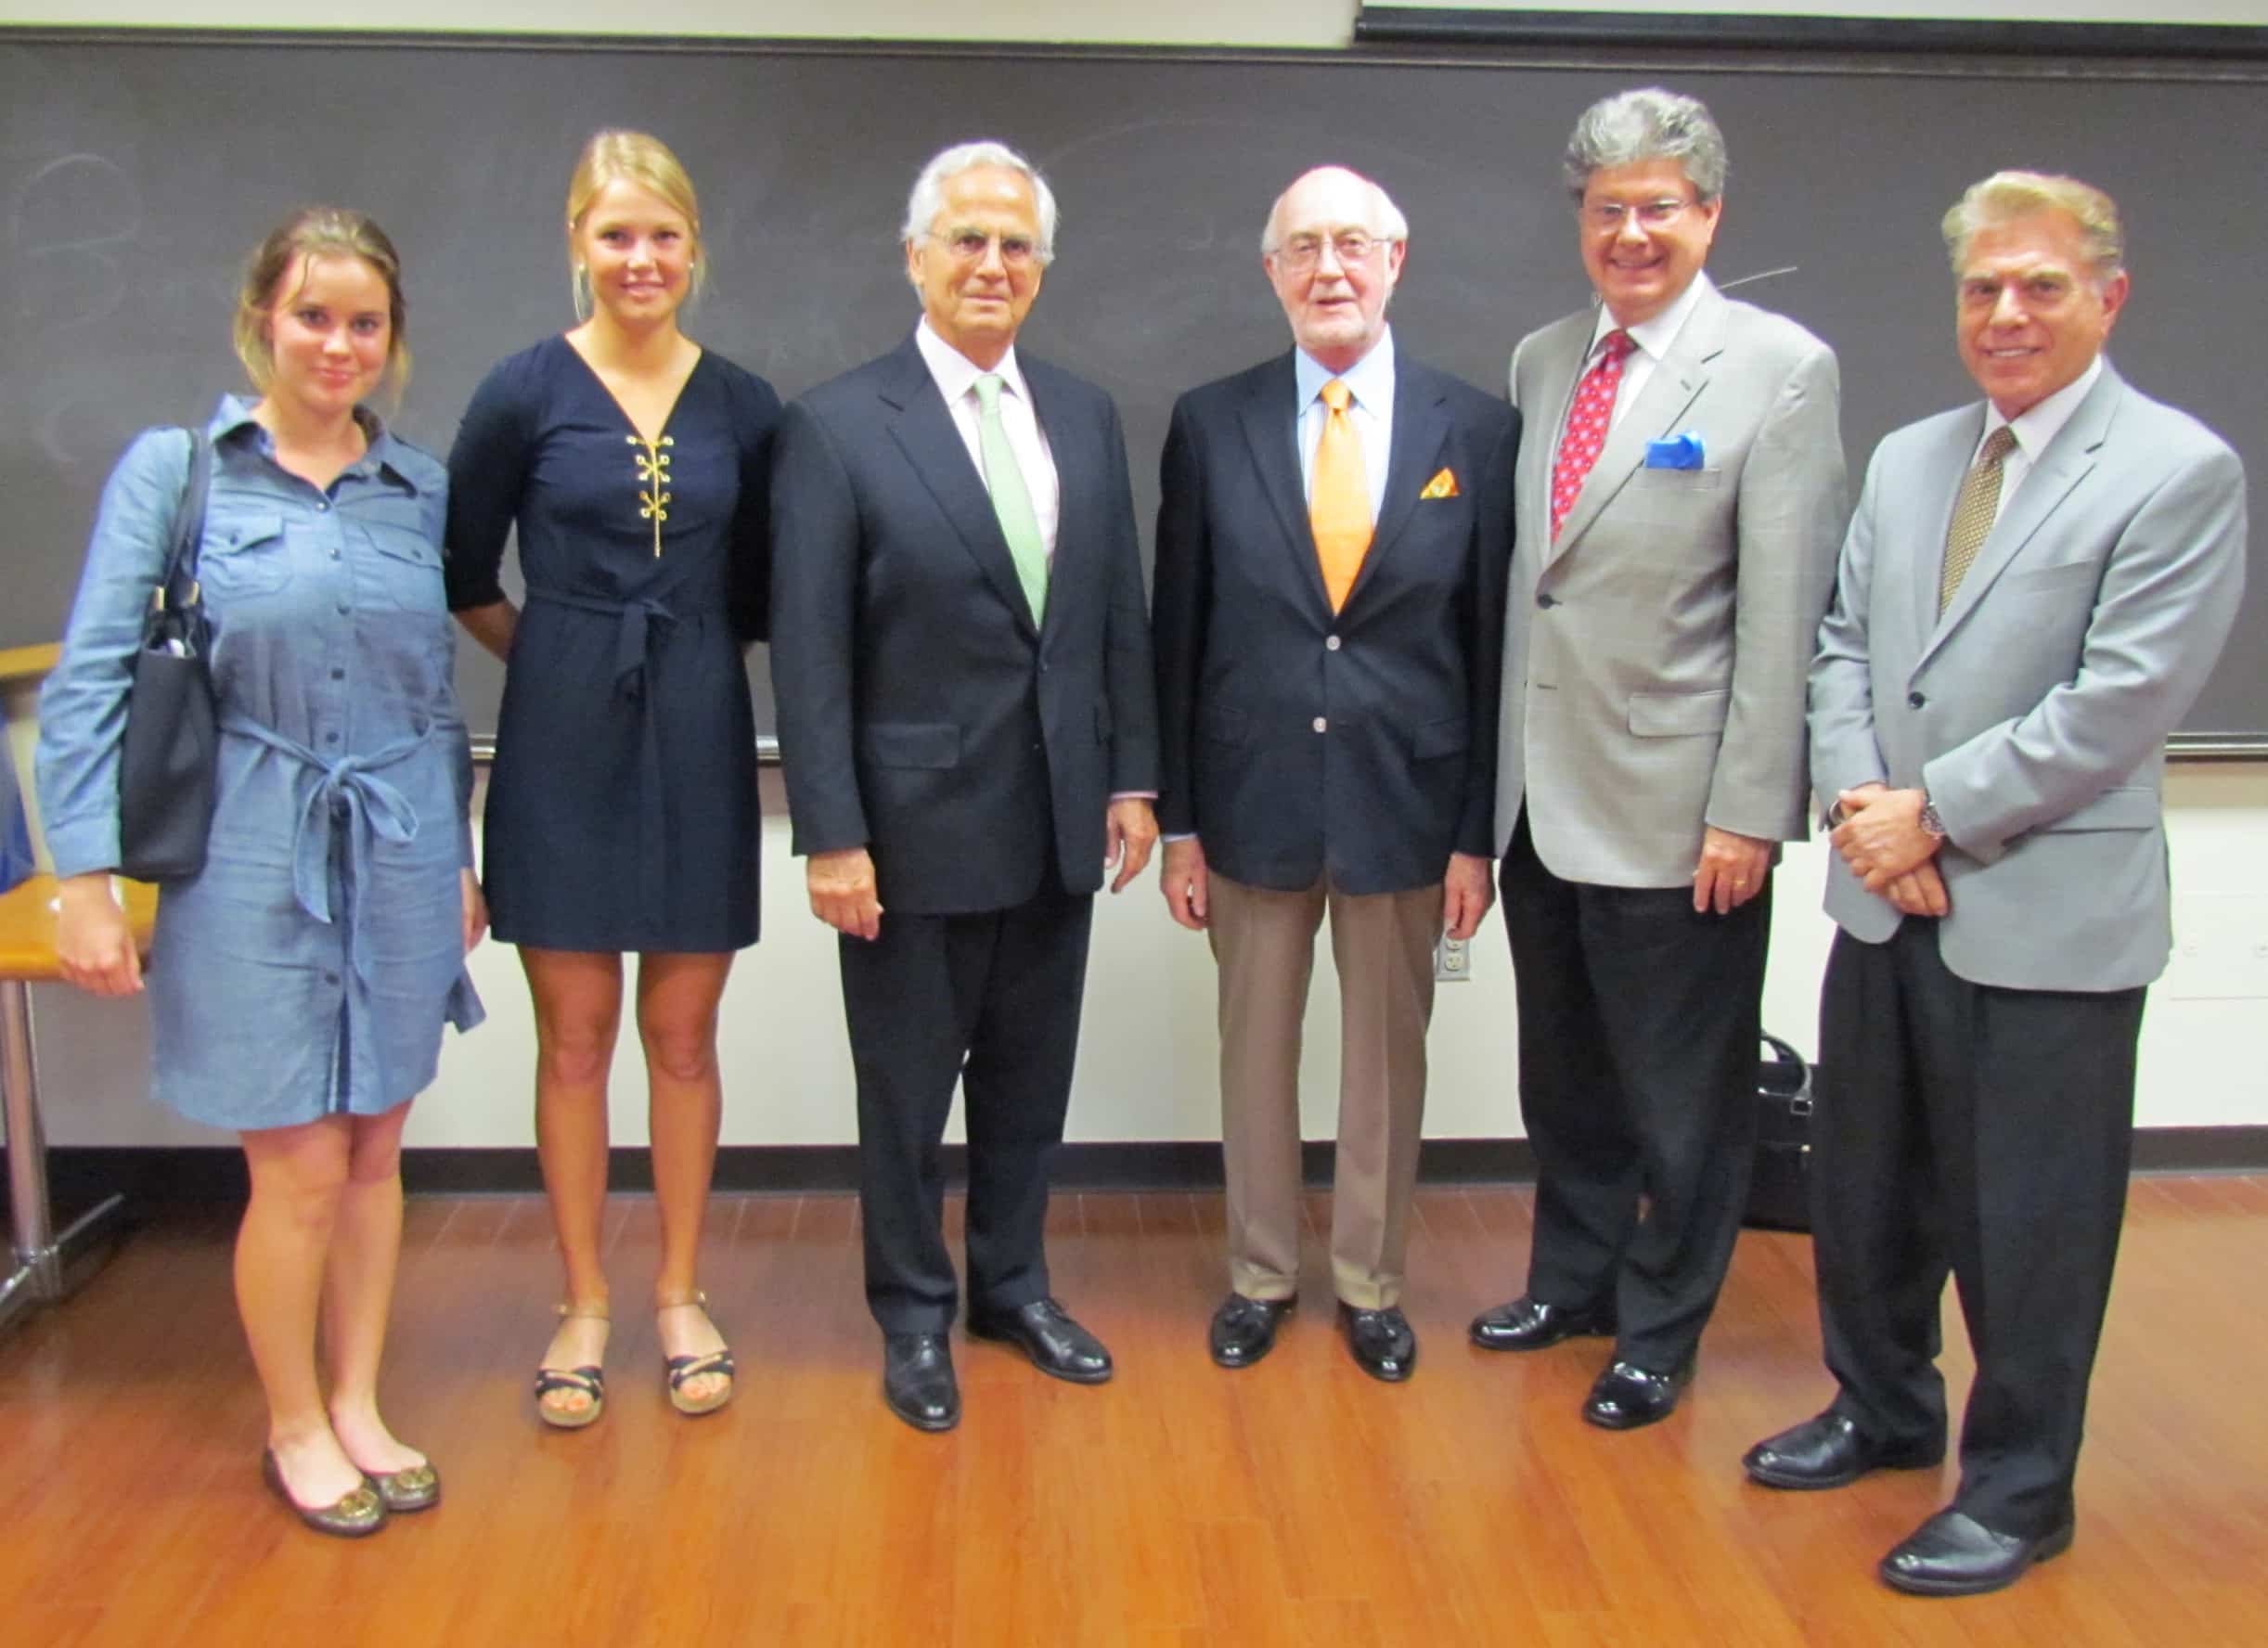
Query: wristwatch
column 1931, row 824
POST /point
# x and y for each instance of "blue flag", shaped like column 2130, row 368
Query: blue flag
column 14, row 830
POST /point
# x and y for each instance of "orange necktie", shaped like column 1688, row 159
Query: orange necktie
column 1339, row 501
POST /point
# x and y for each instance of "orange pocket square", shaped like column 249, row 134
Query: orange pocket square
column 1443, row 485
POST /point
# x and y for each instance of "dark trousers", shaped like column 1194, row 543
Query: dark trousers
column 1989, row 1131
column 991, row 1001
column 1640, row 1021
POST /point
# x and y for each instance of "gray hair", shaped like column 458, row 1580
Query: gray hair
column 928, row 197
column 1647, row 124
column 1386, row 217
column 2008, row 195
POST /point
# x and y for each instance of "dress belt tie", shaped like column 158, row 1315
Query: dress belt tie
column 374, row 808
column 639, row 623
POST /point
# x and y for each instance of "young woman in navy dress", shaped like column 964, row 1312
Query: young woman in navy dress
column 298, row 983
column 621, row 807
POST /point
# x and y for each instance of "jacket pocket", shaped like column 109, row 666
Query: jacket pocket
column 1664, row 480
column 1677, row 715
column 2130, row 806
column 1434, row 739
column 911, row 743
column 1225, row 727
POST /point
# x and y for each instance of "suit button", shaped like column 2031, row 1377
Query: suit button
column 1545, row 601
column 1321, row 725
column 1915, row 700
column 1331, row 643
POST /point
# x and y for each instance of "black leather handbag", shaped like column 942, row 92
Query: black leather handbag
column 1780, row 1189
column 168, row 765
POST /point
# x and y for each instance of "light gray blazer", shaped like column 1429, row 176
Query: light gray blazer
column 1655, row 656
column 2035, row 711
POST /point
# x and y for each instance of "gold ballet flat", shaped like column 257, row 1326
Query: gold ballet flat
column 417, row 1489
column 358, row 1512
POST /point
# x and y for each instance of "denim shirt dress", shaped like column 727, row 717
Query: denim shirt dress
column 308, row 968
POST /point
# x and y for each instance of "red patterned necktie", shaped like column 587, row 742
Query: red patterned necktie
column 1588, row 421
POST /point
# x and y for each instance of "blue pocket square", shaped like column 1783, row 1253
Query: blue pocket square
column 1678, row 452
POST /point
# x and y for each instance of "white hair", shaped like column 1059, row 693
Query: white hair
column 928, row 197
column 1386, row 220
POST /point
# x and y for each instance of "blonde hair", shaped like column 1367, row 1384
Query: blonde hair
column 311, row 233
column 629, row 157
column 2008, row 195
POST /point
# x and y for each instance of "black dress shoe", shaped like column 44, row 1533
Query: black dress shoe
column 1829, row 1450
column 1044, row 1331
column 1382, row 1344
column 1528, row 1323
column 1244, row 1330
column 917, row 1381
column 1954, row 1554
column 1627, row 1396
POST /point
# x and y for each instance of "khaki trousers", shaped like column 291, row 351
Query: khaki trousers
column 1383, row 945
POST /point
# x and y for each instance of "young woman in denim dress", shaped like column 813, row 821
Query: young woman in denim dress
column 622, row 809
column 299, row 983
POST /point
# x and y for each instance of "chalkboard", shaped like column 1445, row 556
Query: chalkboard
column 138, row 171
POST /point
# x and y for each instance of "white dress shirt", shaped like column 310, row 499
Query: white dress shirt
column 2035, row 428
column 1653, row 339
column 956, row 376
column 1370, row 383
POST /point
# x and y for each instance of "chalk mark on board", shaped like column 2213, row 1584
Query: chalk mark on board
column 83, row 268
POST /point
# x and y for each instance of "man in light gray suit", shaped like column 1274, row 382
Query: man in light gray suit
column 2034, row 591
column 1678, row 521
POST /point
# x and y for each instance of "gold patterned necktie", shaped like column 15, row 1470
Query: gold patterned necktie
column 1974, row 512
column 1339, row 499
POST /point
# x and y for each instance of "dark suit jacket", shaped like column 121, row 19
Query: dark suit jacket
column 922, row 715
column 1298, row 741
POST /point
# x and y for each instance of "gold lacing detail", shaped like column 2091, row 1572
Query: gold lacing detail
column 653, row 478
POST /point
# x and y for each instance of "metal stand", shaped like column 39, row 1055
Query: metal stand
column 44, row 1261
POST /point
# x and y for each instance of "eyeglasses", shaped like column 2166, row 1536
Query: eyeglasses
column 970, row 246
column 1608, row 216
column 1304, row 251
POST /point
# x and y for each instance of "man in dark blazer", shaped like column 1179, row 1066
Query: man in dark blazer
column 1680, row 510
column 961, row 659
column 2033, row 592
column 1332, row 548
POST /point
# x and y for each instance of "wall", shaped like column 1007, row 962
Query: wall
column 1146, row 1061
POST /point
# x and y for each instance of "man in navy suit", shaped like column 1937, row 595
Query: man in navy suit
column 1332, row 549
column 962, row 667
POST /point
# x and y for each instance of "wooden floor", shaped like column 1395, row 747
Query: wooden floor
column 1296, row 1502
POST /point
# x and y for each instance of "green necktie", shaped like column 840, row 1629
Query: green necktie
column 1011, row 500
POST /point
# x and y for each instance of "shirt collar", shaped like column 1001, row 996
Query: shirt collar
column 1657, row 335
column 2036, row 426
column 1370, row 379
column 233, row 417
column 956, row 374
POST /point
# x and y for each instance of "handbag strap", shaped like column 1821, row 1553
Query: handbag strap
column 188, row 523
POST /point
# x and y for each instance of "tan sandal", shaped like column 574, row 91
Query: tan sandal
column 677, row 1369
column 590, row 1379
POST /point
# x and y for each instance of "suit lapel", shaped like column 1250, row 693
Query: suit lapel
column 1934, row 510
column 1078, row 477
column 924, row 430
column 1671, row 389
column 1421, row 430
column 1272, row 430
column 2064, row 463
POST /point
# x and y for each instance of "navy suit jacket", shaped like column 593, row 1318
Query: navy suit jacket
column 923, row 714
column 1298, row 741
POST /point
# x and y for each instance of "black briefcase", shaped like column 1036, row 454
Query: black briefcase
column 1780, row 1189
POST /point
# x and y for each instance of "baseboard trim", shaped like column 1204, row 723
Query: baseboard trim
column 80, row 1174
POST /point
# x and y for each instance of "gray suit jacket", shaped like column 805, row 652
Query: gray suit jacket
column 2035, row 711
column 1655, row 656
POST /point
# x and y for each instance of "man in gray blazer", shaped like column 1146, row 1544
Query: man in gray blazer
column 2034, row 591
column 1679, row 507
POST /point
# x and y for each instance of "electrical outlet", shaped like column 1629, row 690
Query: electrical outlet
column 1453, row 960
